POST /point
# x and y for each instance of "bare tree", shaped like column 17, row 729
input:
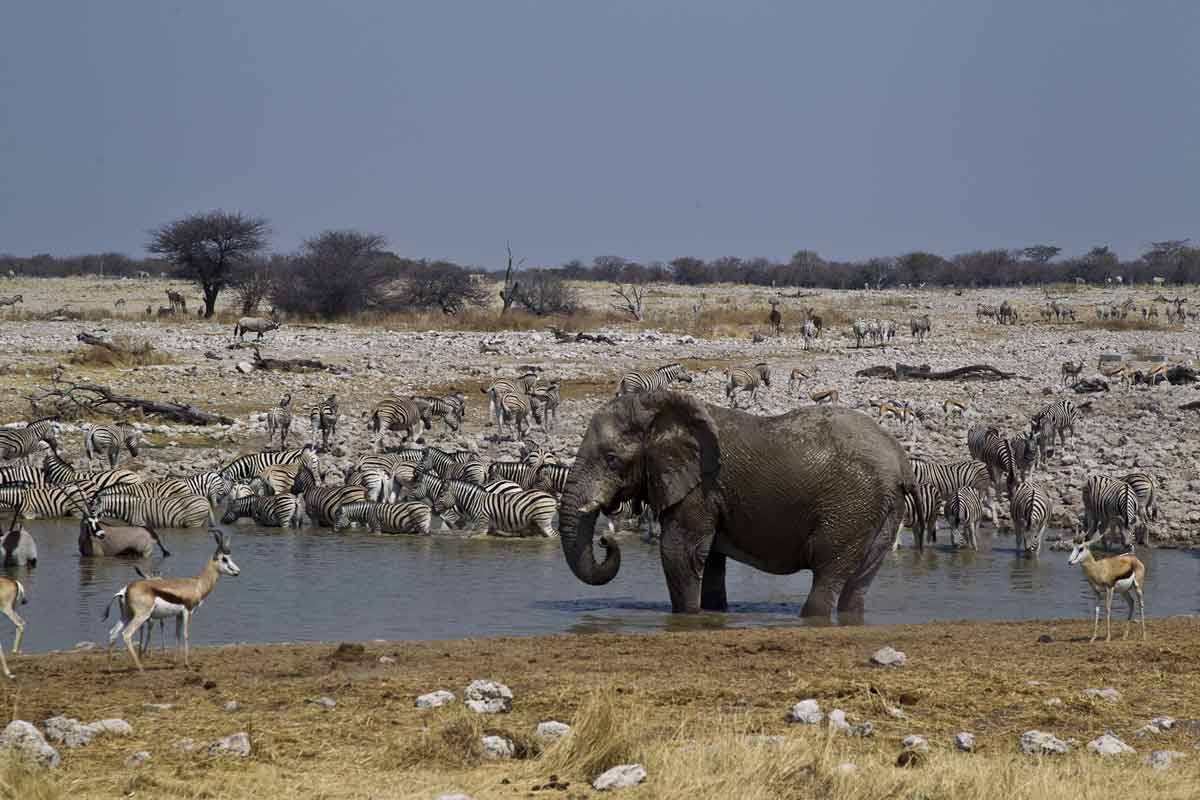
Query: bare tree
column 509, row 293
column 208, row 247
column 253, row 280
column 443, row 285
column 633, row 301
column 543, row 292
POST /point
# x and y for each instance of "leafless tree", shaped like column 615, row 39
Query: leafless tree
column 252, row 281
column 542, row 292
column 208, row 247
column 442, row 285
column 511, row 288
column 632, row 301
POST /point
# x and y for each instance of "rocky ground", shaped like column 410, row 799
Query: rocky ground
column 706, row 328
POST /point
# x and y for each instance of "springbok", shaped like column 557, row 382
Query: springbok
column 822, row 396
column 162, row 612
column 11, row 593
column 954, row 407
column 1124, row 574
column 142, row 596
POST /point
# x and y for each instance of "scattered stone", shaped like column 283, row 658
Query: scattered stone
column 846, row 768
column 837, row 720
column 759, row 739
column 964, row 741
column 245, row 367
column 435, row 699
column 489, row 697
column 236, row 744
column 621, row 777
column 1163, row 723
column 1108, row 693
column 895, row 712
column 497, row 747
column 231, row 705
column 71, row 733
column 387, row 660
column 914, row 742
column 158, row 706
column 862, row 730
column 453, row 797
column 807, row 712
column 186, row 745
column 323, row 702
column 889, row 657
column 1109, row 745
column 138, row 758
column 1036, row 743
column 552, row 729
column 1162, row 759
column 29, row 744
column 910, row 759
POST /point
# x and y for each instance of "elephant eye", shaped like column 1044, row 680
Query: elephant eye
column 613, row 462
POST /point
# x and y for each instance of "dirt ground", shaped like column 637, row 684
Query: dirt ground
column 664, row 694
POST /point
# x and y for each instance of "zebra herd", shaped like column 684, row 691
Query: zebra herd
column 964, row 491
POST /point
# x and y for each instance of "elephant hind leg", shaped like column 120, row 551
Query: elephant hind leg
column 853, row 597
column 825, row 588
column 712, row 587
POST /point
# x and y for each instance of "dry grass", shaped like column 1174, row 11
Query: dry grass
column 1130, row 324
column 131, row 353
column 18, row 782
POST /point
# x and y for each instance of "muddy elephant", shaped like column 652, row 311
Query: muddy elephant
column 818, row 488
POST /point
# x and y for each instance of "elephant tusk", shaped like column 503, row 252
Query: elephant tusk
column 590, row 507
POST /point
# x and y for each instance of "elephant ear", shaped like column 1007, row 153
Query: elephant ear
column 682, row 448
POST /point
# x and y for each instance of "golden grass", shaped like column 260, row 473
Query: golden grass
column 1130, row 324
column 131, row 353
column 18, row 782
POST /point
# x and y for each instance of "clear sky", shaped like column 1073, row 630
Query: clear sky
column 648, row 129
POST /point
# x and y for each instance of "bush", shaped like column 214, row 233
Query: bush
column 443, row 286
column 334, row 274
column 541, row 292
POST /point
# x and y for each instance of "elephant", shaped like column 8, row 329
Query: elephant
column 818, row 488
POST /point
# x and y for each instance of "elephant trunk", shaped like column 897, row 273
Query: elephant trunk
column 577, row 521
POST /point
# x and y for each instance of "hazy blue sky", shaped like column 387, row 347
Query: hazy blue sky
column 646, row 129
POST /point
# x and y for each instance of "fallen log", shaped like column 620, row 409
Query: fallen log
column 96, row 398
column 1192, row 406
column 95, row 341
column 563, row 337
column 290, row 364
column 976, row 372
column 1090, row 386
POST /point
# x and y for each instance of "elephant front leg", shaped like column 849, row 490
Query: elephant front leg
column 684, row 553
column 712, row 587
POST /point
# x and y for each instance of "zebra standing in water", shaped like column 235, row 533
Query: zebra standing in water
column 276, row 511
column 515, row 512
column 324, row 420
column 41, row 502
column 204, row 484
column 23, row 442
column 949, row 478
column 964, row 510
column 648, row 381
column 246, row 467
column 1030, row 508
column 413, row 517
column 279, row 419
column 1143, row 485
column 1108, row 502
column 921, row 509
column 59, row 471
column 746, row 379
column 107, row 440
column 176, row 511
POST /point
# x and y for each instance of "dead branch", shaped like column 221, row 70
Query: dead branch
column 96, row 341
column 979, row 372
column 565, row 337
column 633, row 301
column 291, row 364
column 92, row 397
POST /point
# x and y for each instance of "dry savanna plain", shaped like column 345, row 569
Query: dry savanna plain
column 704, row 711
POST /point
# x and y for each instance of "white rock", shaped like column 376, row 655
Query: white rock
column 435, row 699
column 72, row 733
column 847, row 768
column 1163, row 723
column 807, row 712
column 620, row 777
column 158, row 706
column 29, row 744
column 186, row 745
column 245, row 367
column 837, row 720
column 323, row 702
column 1109, row 745
column 489, row 697
column 453, row 797
column 1162, row 759
column 862, row 730
column 552, row 729
column 1108, row 693
column 497, row 747
column 916, row 743
column 895, row 712
column 1039, row 743
column 138, row 758
column 236, row 744
column 231, row 705
column 1053, row 701
column 889, row 657
column 386, row 660
column 964, row 741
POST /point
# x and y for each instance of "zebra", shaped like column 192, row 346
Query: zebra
column 920, row 327
column 889, row 330
column 1061, row 416
column 175, row 511
column 963, row 512
column 551, row 478
column 447, row 410
column 948, row 478
column 537, row 455
column 421, row 486
column 209, row 485
column 177, row 300
column 921, row 509
column 1143, row 485
column 21, row 443
column 515, row 411
column 59, row 471
column 22, row 476
column 999, row 459
column 11, row 301
column 279, row 418
column 41, row 502
column 977, row 435
column 544, row 403
column 810, row 333
column 412, row 517
column 324, row 419
column 1030, row 509
column 246, row 467
column 501, row 486
column 513, row 512
column 440, row 461
column 399, row 414
column 474, row 471
column 875, row 331
column 861, row 330
column 523, row 386
column 648, row 381
column 1108, row 502
column 276, row 479
column 109, row 439
column 322, row 502
column 276, row 511
column 253, row 325
column 378, row 483
column 746, row 379
column 515, row 471
column 1024, row 448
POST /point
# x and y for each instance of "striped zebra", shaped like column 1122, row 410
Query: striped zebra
column 552, row 478
column 323, row 419
column 537, row 455
column 515, row 471
column 1024, row 454
column 514, row 513
column 21, row 443
column 746, row 379
column 276, row 479
column 524, row 386
column 544, row 403
column 422, row 486
column 1056, row 418
column 246, row 467
column 948, row 478
column 59, row 472
column 921, row 510
column 276, row 511
column 22, row 476
column 398, row 414
column 440, row 461
column 378, row 483
column 810, row 333
column 977, row 435
column 209, row 485
column 176, row 511
column 1030, row 508
column 279, row 420
column 443, row 408
column 42, row 502
column 501, row 486
column 999, row 459
column 322, row 502
column 1144, row 488
column 861, row 331
column 473, row 471
column 964, row 510
column 1108, row 502
column 7, row 300
column 636, row 382
column 515, row 413
column 107, row 440
column 412, row 517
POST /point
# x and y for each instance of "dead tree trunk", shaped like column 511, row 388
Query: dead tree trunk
column 977, row 372
column 508, row 295
column 93, row 397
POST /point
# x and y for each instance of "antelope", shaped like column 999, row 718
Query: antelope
column 97, row 538
column 1124, row 574
column 954, row 407
column 899, row 411
column 162, row 612
column 143, row 595
column 1071, row 370
column 1119, row 372
column 775, row 318
column 794, row 379
column 822, row 396
column 1157, row 374
column 11, row 593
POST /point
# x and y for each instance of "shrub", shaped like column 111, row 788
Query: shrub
column 334, row 274
column 443, row 286
column 541, row 292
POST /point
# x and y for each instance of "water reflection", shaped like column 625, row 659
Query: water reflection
column 426, row 588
